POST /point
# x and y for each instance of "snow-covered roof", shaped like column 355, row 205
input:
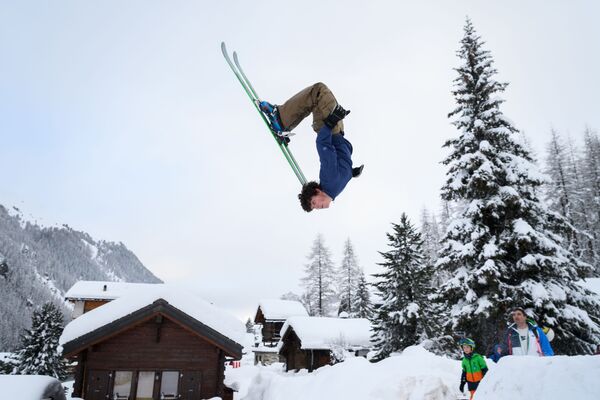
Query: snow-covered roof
column 180, row 298
column 592, row 284
column 281, row 309
column 323, row 333
column 104, row 290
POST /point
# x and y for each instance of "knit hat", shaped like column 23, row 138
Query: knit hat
column 520, row 309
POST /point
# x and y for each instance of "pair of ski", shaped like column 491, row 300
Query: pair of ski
column 249, row 89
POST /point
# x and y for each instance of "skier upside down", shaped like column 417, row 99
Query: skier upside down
column 335, row 151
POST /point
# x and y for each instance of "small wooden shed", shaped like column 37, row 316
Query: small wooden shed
column 308, row 342
column 272, row 314
column 163, row 344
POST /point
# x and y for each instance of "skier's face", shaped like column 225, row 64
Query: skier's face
column 518, row 317
column 467, row 349
column 320, row 200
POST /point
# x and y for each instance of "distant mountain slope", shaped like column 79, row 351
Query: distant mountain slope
column 39, row 264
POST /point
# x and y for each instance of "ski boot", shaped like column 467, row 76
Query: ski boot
column 336, row 116
column 272, row 114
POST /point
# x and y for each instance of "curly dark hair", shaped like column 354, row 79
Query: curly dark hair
column 309, row 190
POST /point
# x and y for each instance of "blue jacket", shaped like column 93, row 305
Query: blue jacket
column 512, row 339
column 496, row 355
column 335, row 153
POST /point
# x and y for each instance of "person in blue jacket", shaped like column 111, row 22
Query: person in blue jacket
column 335, row 151
column 524, row 338
column 497, row 353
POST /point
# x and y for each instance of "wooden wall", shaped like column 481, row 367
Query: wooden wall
column 89, row 305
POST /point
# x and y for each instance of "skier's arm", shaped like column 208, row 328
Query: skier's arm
column 544, row 343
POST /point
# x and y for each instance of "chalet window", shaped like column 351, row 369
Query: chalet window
column 145, row 385
column 169, row 385
column 122, row 386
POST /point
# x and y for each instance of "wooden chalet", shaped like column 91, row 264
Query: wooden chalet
column 272, row 314
column 161, row 345
column 308, row 342
column 88, row 295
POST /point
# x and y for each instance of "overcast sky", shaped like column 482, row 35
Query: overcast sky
column 122, row 119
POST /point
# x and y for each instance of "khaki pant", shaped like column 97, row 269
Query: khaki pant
column 316, row 99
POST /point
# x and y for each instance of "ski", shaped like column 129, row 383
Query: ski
column 249, row 89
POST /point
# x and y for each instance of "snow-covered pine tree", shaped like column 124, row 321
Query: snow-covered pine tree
column 504, row 248
column 566, row 195
column 348, row 274
column 560, row 190
column 319, row 280
column 6, row 367
column 249, row 326
column 363, row 308
column 39, row 354
column 404, row 286
column 590, row 167
column 290, row 296
column 430, row 233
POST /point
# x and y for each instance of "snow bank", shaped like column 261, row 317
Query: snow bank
column 281, row 309
column 28, row 387
column 417, row 374
column 414, row 375
column 323, row 333
column 548, row 378
column 187, row 302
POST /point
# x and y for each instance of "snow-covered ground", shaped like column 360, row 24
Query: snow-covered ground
column 548, row 378
column 417, row 374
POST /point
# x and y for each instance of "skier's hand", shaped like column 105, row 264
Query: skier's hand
column 462, row 387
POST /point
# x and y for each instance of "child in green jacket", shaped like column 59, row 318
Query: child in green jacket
column 473, row 366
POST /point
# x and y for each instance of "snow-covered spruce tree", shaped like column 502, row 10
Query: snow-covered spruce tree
column 402, row 318
column 504, row 248
column 39, row 354
column 348, row 274
column 290, row 296
column 581, row 208
column 363, row 308
column 319, row 280
column 430, row 232
column 590, row 174
column 6, row 367
column 249, row 326
column 566, row 195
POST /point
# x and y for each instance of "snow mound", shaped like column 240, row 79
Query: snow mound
column 29, row 387
column 415, row 374
column 548, row 378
